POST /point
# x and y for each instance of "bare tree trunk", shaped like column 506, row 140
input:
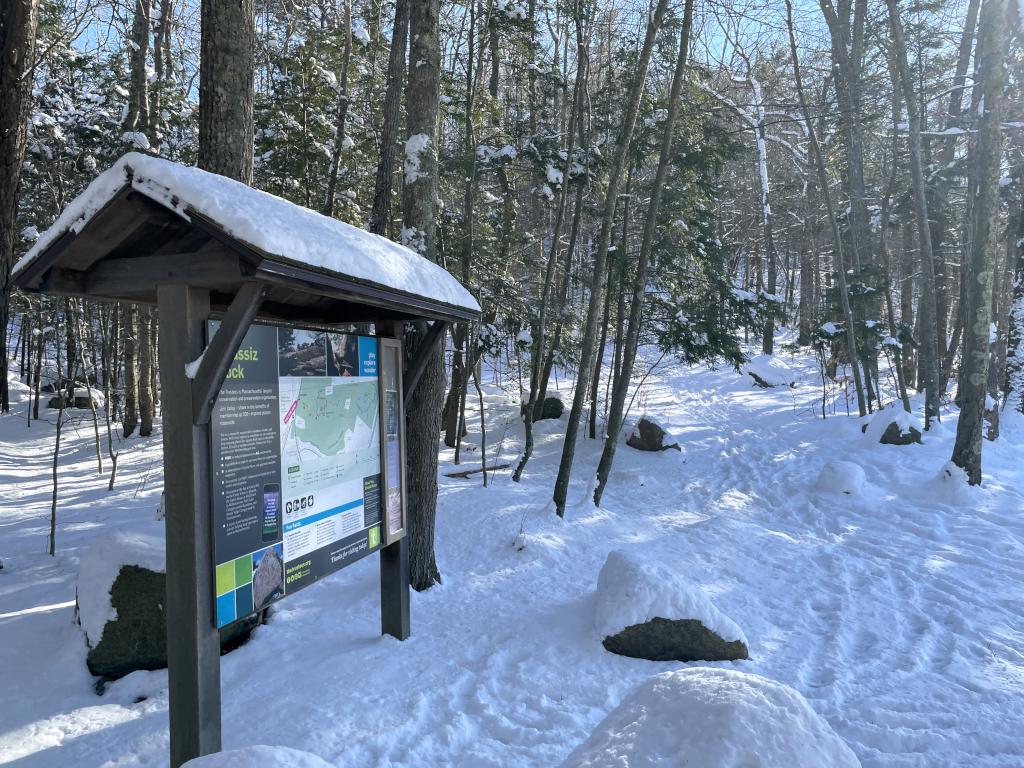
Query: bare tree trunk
column 342, row 112
column 929, row 354
column 380, row 216
column 985, row 155
column 137, row 120
column 632, row 334
column 840, row 269
column 623, row 140
column 145, row 377
column 17, row 48
column 419, row 203
column 129, row 329
column 226, row 88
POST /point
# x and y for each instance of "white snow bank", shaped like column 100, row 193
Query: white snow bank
column 98, row 569
column 264, row 221
column 259, row 757
column 631, row 590
column 891, row 414
column 717, row 718
column 841, row 477
column 773, row 371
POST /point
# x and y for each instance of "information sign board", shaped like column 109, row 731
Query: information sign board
column 296, row 452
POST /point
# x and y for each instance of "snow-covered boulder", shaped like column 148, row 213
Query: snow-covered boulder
column 120, row 595
column 649, row 435
column 842, row 477
column 647, row 611
column 84, row 397
column 893, row 426
column 713, row 718
column 769, row 371
column 259, row 757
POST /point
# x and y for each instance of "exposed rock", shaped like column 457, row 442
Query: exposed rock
column 893, row 426
column 674, row 640
column 649, row 435
column 769, row 371
column 84, row 397
column 648, row 611
column 137, row 638
column 553, row 408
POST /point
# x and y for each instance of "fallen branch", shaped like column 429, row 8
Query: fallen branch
column 467, row 472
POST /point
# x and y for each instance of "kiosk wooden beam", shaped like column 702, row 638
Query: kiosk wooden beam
column 193, row 642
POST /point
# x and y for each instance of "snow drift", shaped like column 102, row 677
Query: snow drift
column 713, row 718
column 259, row 757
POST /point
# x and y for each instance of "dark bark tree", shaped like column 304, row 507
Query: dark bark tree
column 423, row 415
column 226, row 88
column 985, row 153
column 380, row 216
column 17, row 49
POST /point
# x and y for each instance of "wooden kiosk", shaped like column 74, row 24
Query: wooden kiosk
column 200, row 246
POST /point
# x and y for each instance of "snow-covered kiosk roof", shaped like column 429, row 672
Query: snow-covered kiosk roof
column 147, row 221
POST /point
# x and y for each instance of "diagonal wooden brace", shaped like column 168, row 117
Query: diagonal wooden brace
column 222, row 348
column 418, row 364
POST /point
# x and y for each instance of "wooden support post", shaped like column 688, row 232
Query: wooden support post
column 193, row 643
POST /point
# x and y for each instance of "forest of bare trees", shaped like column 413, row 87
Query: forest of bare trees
column 604, row 175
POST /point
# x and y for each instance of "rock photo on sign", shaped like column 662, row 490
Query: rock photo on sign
column 267, row 576
column 342, row 354
column 302, row 353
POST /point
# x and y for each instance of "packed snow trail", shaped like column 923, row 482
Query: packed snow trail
column 896, row 612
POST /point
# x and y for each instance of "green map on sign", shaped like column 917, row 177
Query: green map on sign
column 330, row 414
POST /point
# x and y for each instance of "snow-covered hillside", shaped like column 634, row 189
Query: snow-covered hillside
column 896, row 611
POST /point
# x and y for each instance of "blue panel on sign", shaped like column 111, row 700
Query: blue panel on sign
column 367, row 356
column 226, row 609
column 243, row 600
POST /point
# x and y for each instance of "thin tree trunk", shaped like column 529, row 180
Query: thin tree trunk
column 145, row 378
column 929, row 354
column 632, row 334
column 985, row 155
column 342, row 111
column 623, row 141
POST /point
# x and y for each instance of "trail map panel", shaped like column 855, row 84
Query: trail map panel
column 296, row 464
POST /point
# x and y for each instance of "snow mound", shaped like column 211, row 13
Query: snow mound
column 98, row 570
column 892, row 414
column 268, row 223
column 713, row 718
column 259, row 757
column 771, row 370
column 631, row 590
column 841, row 477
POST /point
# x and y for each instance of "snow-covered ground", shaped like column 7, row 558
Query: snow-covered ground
column 896, row 610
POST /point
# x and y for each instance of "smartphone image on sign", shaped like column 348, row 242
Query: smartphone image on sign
column 271, row 512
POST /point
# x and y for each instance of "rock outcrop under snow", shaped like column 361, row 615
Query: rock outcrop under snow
column 259, row 757
column 841, row 477
column 769, row 371
column 649, row 435
column 645, row 610
column 893, row 426
column 121, row 596
column 713, row 718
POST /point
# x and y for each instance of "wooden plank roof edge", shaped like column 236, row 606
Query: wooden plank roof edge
column 283, row 267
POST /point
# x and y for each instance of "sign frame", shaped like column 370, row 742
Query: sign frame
column 390, row 349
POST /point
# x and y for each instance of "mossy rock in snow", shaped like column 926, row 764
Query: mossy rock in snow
column 649, row 435
column 137, row 638
column 893, row 426
column 674, row 640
